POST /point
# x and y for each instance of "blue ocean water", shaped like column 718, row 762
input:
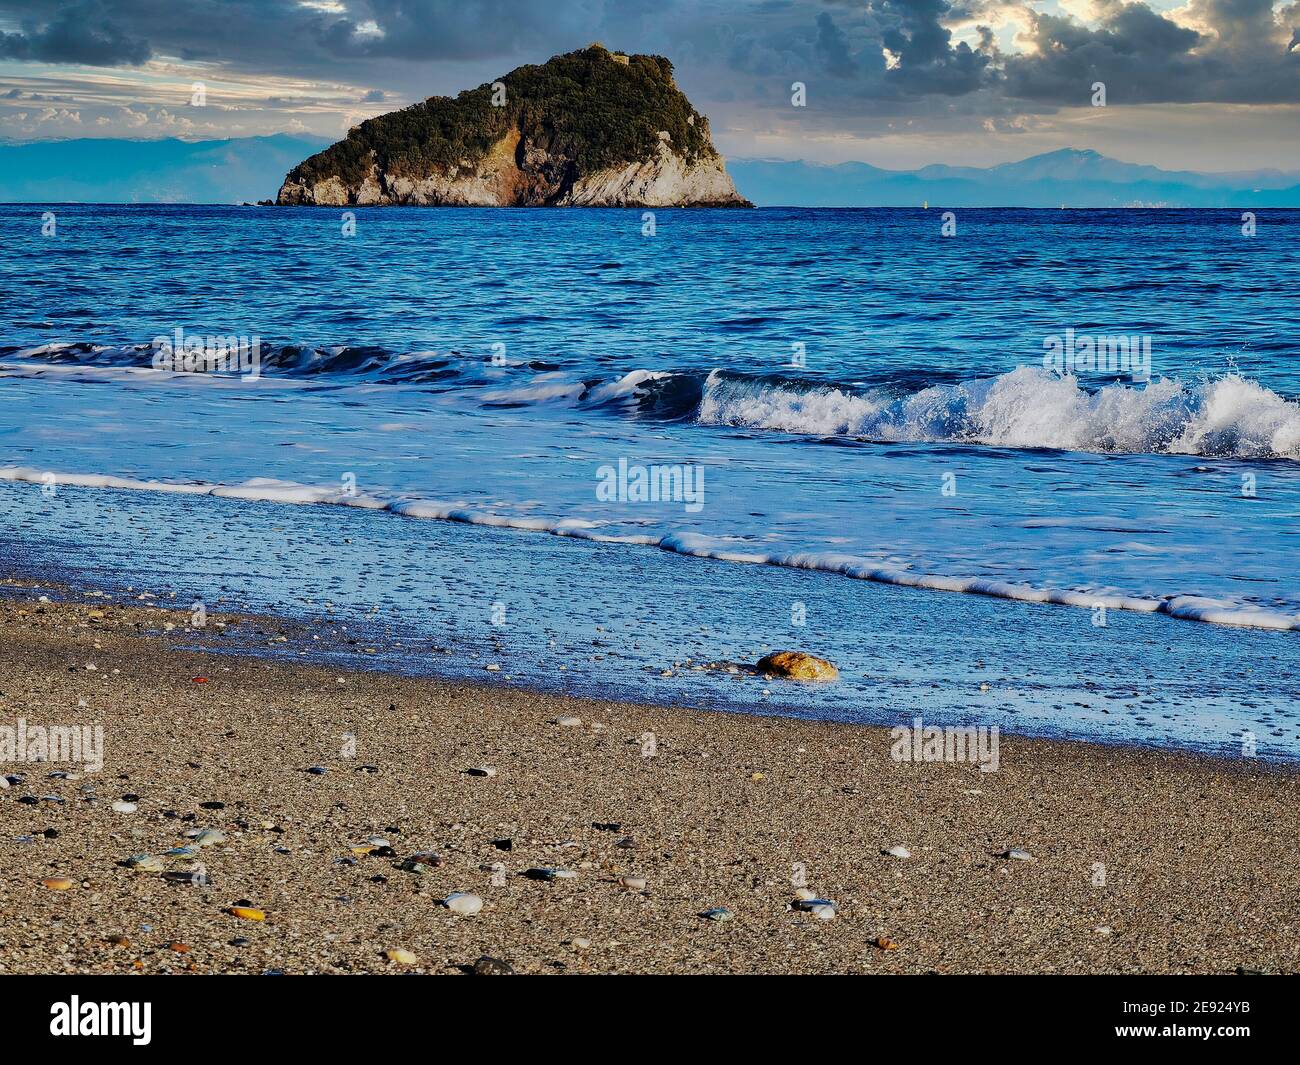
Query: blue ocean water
column 849, row 393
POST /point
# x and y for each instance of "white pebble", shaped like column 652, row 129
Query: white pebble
column 463, row 903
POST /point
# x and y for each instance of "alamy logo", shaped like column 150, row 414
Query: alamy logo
column 1082, row 353
column 954, row 744
column 76, row 744
column 651, row 484
column 134, row 1019
column 193, row 353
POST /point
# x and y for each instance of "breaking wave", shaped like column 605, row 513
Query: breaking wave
column 1229, row 416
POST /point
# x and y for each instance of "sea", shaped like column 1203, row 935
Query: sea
column 1038, row 469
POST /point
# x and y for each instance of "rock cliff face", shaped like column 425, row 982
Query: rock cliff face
column 587, row 129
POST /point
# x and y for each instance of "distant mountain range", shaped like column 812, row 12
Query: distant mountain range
column 1073, row 177
column 154, row 171
column 251, row 168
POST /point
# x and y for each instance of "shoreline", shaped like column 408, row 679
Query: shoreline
column 1142, row 860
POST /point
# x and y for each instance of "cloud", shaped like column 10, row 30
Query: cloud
column 1224, row 51
column 874, row 68
column 79, row 33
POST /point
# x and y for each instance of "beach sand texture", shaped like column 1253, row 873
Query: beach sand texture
column 1142, row 861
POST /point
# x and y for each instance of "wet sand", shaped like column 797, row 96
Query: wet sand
column 1142, row 861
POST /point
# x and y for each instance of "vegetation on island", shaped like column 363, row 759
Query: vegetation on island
column 591, row 107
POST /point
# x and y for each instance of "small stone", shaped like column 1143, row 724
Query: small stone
column 248, row 913
column 548, row 873
column 885, row 943
column 481, row 771
column 317, row 770
column 492, row 667
column 176, row 876
column 567, row 721
column 209, row 837
column 633, row 883
column 1017, row 854
column 57, row 883
column 147, row 863
column 580, row 943
column 401, row 957
column 421, row 863
column 720, row 913
column 804, row 894
column 823, row 908
column 463, row 903
column 124, row 807
column 179, row 948
column 898, row 852
column 487, row 966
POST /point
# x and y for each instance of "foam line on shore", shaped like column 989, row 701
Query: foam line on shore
column 695, row 545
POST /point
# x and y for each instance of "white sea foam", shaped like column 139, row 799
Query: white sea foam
column 1029, row 407
column 725, row 549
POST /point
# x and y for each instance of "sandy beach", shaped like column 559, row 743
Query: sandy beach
column 1139, row 861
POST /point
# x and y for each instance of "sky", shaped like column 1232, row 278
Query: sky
column 1211, row 85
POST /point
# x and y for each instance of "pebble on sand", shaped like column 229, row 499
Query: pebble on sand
column 1017, row 854
column 57, row 883
column 486, row 966
column 248, row 913
column 633, row 883
column 401, row 957
column 481, row 771
column 463, row 903
column 898, row 852
column 718, row 913
column 823, row 909
column 147, row 863
column 797, row 665
column 567, row 721
column 422, row 862
column 548, row 873
column 124, row 807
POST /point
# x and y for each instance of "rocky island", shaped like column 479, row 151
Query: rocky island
column 591, row 128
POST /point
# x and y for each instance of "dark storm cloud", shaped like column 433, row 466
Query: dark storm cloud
column 833, row 47
column 928, row 61
column 1144, row 58
column 83, row 33
column 876, row 53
